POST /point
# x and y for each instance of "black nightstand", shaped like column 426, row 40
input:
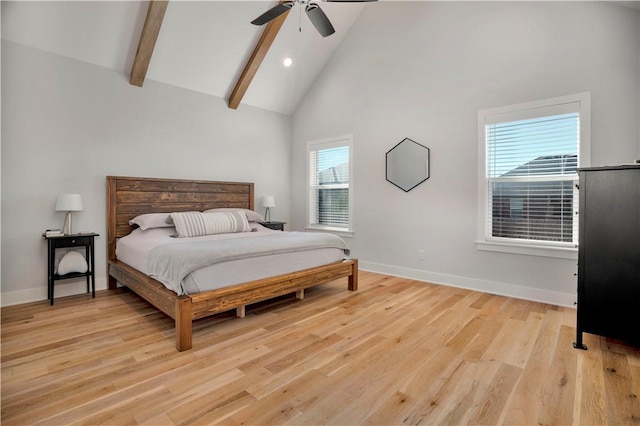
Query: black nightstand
column 277, row 226
column 72, row 240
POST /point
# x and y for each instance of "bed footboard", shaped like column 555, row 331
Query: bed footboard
column 185, row 309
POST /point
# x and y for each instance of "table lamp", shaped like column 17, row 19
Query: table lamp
column 68, row 203
column 268, row 201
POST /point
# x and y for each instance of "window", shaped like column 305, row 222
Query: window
column 529, row 156
column 329, row 183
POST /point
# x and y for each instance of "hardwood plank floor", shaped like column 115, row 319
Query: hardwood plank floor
column 396, row 351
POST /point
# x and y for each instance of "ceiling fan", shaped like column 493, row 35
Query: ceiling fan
column 315, row 14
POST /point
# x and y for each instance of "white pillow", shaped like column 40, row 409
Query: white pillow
column 151, row 220
column 252, row 216
column 195, row 224
column 73, row 261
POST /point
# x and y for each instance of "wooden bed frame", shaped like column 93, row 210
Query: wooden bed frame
column 128, row 197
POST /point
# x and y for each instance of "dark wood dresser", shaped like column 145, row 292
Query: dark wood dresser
column 609, row 253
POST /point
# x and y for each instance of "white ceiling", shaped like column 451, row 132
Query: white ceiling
column 202, row 45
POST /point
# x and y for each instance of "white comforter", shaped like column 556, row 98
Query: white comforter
column 136, row 249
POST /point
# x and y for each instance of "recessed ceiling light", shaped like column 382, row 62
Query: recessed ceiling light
column 287, row 62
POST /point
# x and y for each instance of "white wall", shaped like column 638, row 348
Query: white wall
column 68, row 124
column 425, row 78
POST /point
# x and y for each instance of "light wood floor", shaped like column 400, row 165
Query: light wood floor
column 396, row 351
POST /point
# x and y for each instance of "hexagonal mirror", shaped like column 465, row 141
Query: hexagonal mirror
column 407, row 164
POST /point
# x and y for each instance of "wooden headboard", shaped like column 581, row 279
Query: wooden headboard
column 128, row 197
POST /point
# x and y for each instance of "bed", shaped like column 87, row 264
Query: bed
column 129, row 197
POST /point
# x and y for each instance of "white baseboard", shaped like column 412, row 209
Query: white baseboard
column 69, row 288
column 502, row 289
column 62, row 288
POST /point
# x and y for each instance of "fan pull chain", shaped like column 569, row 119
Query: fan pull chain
column 300, row 18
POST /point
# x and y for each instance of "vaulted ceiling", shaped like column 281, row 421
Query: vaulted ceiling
column 201, row 45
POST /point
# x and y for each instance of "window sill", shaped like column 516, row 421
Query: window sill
column 338, row 231
column 570, row 253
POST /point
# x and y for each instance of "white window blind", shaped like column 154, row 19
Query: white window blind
column 531, row 178
column 329, row 184
column 528, row 157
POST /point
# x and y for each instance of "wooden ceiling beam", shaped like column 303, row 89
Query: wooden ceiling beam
column 259, row 52
column 148, row 38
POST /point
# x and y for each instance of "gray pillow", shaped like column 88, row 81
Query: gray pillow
column 151, row 220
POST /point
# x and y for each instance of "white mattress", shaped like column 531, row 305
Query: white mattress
column 135, row 248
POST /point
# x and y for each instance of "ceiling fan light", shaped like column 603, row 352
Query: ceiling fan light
column 287, row 62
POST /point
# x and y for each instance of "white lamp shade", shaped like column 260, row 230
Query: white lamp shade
column 69, row 203
column 268, row 201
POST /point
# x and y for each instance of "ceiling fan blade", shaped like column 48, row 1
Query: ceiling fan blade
column 273, row 13
column 319, row 20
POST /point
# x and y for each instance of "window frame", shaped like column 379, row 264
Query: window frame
column 580, row 103
column 328, row 143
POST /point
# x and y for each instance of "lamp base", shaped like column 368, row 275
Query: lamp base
column 67, row 223
column 267, row 215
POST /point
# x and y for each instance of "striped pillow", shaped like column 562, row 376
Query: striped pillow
column 195, row 224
